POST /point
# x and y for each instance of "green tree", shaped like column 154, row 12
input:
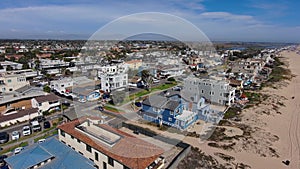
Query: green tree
column 9, row 68
column 47, row 89
column 25, row 66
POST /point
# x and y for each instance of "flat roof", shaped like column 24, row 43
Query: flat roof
column 185, row 115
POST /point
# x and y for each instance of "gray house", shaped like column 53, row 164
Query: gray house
column 214, row 91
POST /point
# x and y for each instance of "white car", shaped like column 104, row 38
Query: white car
column 41, row 140
column 15, row 135
column 26, row 130
column 18, row 150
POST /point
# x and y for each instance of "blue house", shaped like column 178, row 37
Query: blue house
column 169, row 111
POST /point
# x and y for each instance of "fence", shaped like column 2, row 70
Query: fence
column 186, row 147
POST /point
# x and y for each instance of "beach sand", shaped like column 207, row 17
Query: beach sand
column 274, row 127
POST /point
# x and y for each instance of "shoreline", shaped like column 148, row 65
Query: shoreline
column 274, row 136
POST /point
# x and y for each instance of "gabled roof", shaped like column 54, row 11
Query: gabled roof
column 171, row 105
column 155, row 101
column 61, row 155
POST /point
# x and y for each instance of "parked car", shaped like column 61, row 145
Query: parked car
column 39, row 119
column 41, row 140
column 4, row 137
column 15, row 135
column 18, row 150
column 26, row 130
column 2, row 162
column 47, row 124
column 35, row 125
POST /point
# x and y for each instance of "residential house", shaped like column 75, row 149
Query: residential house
column 17, row 116
column 46, row 102
column 108, row 147
column 134, row 64
column 10, row 82
column 214, row 91
column 61, row 85
column 56, row 63
column 13, row 65
column 49, row 155
column 162, row 110
column 86, row 92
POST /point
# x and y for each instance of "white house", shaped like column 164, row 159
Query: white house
column 46, row 102
column 61, row 85
column 18, row 116
column 12, row 82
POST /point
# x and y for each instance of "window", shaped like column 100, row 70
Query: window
column 104, row 165
column 62, row 133
column 9, row 81
column 96, row 156
column 78, row 141
column 202, row 91
column 88, row 148
column 110, row 161
column 72, row 137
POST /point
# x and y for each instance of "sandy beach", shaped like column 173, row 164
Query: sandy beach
column 274, row 124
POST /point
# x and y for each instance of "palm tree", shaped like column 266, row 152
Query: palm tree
column 147, row 78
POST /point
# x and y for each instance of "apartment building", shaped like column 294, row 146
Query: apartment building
column 12, row 82
column 113, row 77
column 61, row 85
column 214, row 91
column 108, row 147
column 48, row 63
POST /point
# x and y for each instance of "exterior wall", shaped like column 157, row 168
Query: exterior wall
column 112, row 82
column 45, row 106
column 81, row 148
column 20, row 119
column 61, row 85
column 167, row 117
column 218, row 92
column 10, row 83
column 23, row 104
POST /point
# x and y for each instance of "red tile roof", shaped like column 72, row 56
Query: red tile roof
column 129, row 150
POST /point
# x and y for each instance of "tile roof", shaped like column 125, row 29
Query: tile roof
column 47, row 98
column 129, row 150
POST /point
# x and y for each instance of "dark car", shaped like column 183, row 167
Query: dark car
column 138, row 104
column 47, row 124
column 4, row 137
column 39, row 119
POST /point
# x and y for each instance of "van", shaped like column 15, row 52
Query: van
column 35, row 125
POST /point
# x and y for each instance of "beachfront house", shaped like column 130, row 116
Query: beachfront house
column 162, row 110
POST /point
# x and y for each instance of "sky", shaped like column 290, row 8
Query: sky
column 218, row 20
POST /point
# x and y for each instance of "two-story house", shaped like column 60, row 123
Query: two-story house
column 46, row 102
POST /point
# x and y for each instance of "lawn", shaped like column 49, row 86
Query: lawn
column 109, row 108
column 22, row 144
column 153, row 89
